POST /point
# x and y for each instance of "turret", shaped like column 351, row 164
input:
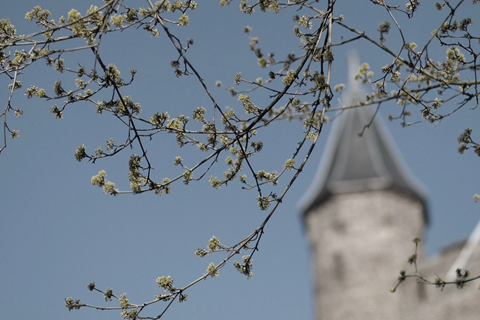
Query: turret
column 361, row 213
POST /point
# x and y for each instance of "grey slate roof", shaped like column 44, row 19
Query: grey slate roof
column 352, row 163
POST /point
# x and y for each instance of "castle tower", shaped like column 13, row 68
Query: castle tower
column 361, row 213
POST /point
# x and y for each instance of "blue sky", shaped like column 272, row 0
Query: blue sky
column 58, row 232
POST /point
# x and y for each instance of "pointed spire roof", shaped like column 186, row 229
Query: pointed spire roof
column 354, row 163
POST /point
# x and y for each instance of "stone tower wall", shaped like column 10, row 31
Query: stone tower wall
column 360, row 241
